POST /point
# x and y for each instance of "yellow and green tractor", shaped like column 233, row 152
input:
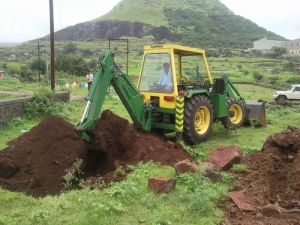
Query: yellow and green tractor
column 175, row 93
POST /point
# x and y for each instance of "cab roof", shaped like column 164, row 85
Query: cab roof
column 178, row 49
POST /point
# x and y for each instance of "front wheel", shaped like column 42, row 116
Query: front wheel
column 236, row 115
column 281, row 100
column 198, row 120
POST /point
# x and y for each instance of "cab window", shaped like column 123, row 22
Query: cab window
column 192, row 68
column 157, row 74
column 297, row 89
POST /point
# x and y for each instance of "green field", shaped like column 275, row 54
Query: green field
column 194, row 200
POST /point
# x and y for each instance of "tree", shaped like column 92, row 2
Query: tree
column 25, row 73
column 257, row 76
column 70, row 48
column 73, row 64
column 278, row 51
column 92, row 63
column 38, row 65
column 290, row 66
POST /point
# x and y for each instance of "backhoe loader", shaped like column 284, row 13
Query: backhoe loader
column 175, row 93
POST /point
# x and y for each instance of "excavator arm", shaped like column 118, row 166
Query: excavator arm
column 108, row 73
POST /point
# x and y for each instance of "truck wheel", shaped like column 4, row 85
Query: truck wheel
column 198, row 120
column 236, row 115
column 281, row 100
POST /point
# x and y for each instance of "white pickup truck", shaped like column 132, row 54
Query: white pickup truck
column 293, row 94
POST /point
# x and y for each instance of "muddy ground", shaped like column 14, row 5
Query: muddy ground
column 272, row 178
column 37, row 161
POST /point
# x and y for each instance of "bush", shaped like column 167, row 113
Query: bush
column 290, row 66
column 38, row 65
column 293, row 80
column 246, row 72
column 72, row 64
column 273, row 80
column 275, row 71
column 42, row 104
column 26, row 74
column 257, row 76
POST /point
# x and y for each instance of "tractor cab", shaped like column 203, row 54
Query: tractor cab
column 171, row 70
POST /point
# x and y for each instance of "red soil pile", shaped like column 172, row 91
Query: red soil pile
column 36, row 162
column 117, row 143
column 273, row 177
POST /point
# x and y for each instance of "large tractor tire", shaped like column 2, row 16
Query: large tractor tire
column 236, row 115
column 198, row 120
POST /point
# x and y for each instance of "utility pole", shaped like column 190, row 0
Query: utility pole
column 52, row 45
column 39, row 62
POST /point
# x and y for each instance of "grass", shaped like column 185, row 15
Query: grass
column 249, row 138
column 239, row 168
column 193, row 201
column 195, row 198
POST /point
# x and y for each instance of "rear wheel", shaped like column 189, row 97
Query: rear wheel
column 198, row 120
column 236, row 115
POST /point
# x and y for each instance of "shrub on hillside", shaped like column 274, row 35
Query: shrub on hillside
column 293, row 80
column 273, row 80
column 257, row 76
column 41, row 105
column 26, row 74
column 290, row 66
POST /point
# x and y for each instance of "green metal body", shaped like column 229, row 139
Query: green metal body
column 107, row 74
column 146, row 116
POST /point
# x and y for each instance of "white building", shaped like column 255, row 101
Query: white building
column 292, row 47
column 264, row 46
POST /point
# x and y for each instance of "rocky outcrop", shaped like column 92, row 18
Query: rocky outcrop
column 114, row 29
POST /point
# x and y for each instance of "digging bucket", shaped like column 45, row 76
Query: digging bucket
column 256, row 111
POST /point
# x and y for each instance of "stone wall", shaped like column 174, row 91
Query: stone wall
column 12, row 108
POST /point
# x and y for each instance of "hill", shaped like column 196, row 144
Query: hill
column 203, row 23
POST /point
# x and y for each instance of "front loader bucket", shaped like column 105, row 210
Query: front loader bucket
column 256, row 112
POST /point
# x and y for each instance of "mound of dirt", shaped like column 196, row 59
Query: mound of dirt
column 36, row 162
column 273, row 177
column 38, row 159
column 117, row 143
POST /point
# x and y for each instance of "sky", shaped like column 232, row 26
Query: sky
column 23, row 20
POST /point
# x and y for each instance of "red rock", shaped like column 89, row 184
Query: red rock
column 225, row 157
column 161, row 184
column 240, row 200
column 185, row 166
column 271, row 210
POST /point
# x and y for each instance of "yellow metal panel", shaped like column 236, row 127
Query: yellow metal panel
column 179, row 119
column 163, row 103
column 209, row 78
column 184, row 50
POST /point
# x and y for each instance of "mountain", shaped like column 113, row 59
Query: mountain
column 202, row 23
